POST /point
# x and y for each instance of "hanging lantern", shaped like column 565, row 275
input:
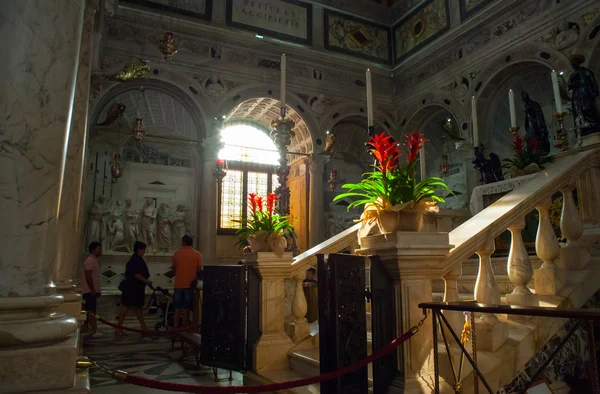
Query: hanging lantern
column 138, row 130
column 444, row 166
column 333, row 181
column 219, row 172
column 167, row 47
column 116, row 169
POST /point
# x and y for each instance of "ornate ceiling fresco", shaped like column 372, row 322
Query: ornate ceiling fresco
column 265, row 110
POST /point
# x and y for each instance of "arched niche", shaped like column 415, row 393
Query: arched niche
column 440, row 126
column 532, row 77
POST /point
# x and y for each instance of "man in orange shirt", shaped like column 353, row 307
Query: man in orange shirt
column 187, row 264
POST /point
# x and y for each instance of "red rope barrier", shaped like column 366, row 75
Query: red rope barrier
column 188, row 388
column 148, row 332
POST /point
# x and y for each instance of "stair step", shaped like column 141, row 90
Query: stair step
column 306, row 361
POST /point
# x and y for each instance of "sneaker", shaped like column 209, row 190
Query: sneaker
column 97, row 334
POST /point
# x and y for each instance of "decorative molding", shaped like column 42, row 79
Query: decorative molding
column 174, row 11
column 466, row 10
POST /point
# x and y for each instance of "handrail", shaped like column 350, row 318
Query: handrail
column 473, row 306
column 332, row 245
column 496, row 218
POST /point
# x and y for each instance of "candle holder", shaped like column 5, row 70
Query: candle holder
column 445, row 166
column 219, row 173
column 371, row 131
column 282, row 135
column 560, row 139
column 333, row 181
column 282, row 112
column 514, row 130
column 116, row 169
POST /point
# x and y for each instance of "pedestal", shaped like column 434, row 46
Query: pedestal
column 491, row 333
column 72, row 299
column 574, row 256
column 549, row 279
column 413, row 260
column 274, row 344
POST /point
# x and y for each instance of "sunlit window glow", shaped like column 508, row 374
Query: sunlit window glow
column 249, row 144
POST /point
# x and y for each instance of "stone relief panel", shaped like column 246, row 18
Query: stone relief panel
column 357, row 37
column 422, row 26
column 285, row 19
column 201, row 9
column 470, row 7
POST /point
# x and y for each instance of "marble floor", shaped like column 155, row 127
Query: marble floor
column 149, row 358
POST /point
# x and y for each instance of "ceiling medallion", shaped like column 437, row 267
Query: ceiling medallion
column 167, row 47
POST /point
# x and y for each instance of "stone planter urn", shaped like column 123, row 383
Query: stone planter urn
column 403, row 220
column 515, row 172
column 264, row 241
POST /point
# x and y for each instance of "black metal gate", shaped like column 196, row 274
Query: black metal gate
column 230, row 316
column 383, row 315
column 342, row 321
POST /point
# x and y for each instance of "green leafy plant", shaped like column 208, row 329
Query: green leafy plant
column 393, row 186
column 262, row 219
column 526, row 155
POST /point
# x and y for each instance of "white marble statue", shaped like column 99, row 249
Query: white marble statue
column 131, row 224
column 94, row 227
column 180, row 225
column 149, row 225
column 118, row 209
column 164, row 238
column 105, row 222
column 118, row 235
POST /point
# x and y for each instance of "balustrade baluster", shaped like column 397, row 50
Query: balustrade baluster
column 456, row 319
column 519, row 267
column 299, row 310
column 549, row 279
column 490, row 330
column 575, row 255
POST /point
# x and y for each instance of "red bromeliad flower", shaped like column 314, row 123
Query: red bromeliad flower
column 253, row 202
column 259, row 203
column 518, row 144
column 271, row 198
column 385, row 151
column 414, row 144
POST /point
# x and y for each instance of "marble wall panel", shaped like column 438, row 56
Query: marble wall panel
column 470, row 7
column 357, row 37
column 201, row 9
column 423, row 25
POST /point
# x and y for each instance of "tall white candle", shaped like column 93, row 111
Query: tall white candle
column 283, row 79
column 513, row 111
column 556, row 89
column 475, row 125
column 422, row 163
column 369, row 99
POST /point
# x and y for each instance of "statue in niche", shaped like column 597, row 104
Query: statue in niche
column 105, row 223
column 490, row 169
column 566, row 35
column 118, row 235
column 164, row 229
column 131, row 225
column 94, row 228
column 149, row 224
column 118, row 209
column 214, row 86
column 585, row 90
column 535, row 124
column 180, row 225
column 318, row 105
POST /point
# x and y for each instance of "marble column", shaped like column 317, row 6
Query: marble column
column 317, row 211
column 207, row 221
column 70, row 240
column 40, row 43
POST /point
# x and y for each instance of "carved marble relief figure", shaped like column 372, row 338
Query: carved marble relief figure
column 132, row 224
column 180, row 225
column 148, row 225
column 118, row 235
column 94, row 232
column 535, row 124
column 164, row 229
column 585, row 91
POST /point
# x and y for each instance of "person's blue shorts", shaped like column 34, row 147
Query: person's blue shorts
column 184, row 299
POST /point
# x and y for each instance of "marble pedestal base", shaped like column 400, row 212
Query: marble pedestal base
column 40, row 368
column 574, row 256
column 271, row 352
column 524, row 300
column 81, row 386
column 590, row 139
column 446, row 371
column 491, row 333
column 549, row 280
column 299, row 330
column 72, row 305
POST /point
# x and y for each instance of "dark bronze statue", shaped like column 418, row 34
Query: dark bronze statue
column 585, row 90
column 535, row 124
column 490, row 169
